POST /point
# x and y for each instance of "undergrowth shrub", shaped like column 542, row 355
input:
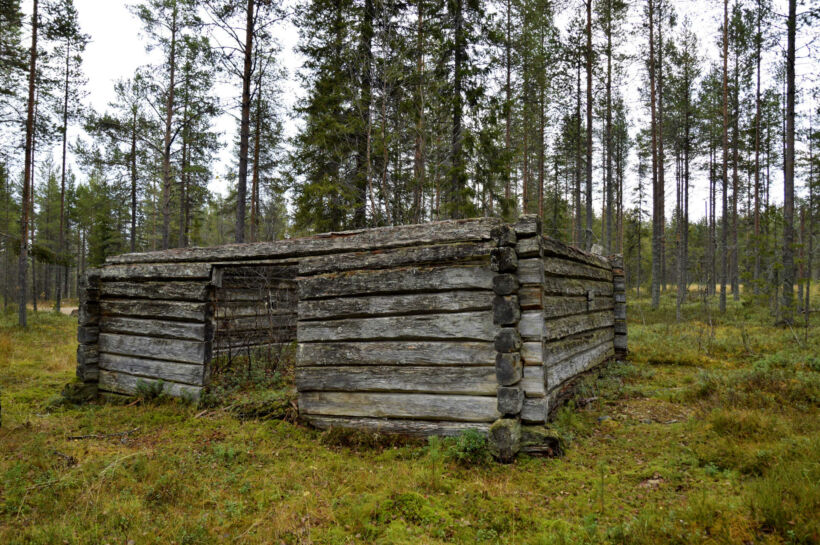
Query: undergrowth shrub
column 786, row 499
column 150, row 391
column 468, row 448
column 743, row 424
column 366, row 440
column 165, row 491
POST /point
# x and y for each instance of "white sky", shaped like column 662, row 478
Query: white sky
column 117, row 49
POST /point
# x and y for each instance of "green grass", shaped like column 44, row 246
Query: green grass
column 709, row 433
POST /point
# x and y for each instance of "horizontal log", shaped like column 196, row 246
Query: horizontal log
column 457, row 326
column 156, row 271
column 240, row 339
column 556, row 305
column 413, row 279
column 242, row 276
column 249, row 309
column 157, row 369
column 558, row 351
column 268, row 350
column 88, row 373
column 88, row 354
column 527, row 225
column 397, row 353
column 439, row 379
column 375, row 305
column 415, row 406
column 175, row 291
column 263, row 323
column 535, row 410
column 412, row 428
column 530, row 297
column 552, row 247
column 531, row 325
column 89, row 314
column 122, row 383
column 150, row 347
column 554, row 285
column 562, row 327
column 577, row 364
column 88, row 334
column 346, row 241
column 533, row 382
column 176, row 310
column 284, row 294
column 532, row 353
column 531, row 271
column 156, row 328
column 555, row 266
column 396, row 257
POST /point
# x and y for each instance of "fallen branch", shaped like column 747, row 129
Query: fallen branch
column 121, row 434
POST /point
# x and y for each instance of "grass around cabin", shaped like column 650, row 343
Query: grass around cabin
column 708, row 433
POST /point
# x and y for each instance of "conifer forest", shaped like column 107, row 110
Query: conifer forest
column 609, row 118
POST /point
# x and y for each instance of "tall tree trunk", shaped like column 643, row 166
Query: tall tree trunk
column 183, row 194
column 756, row 246
column 257, row 139
column 661, row 156
column 23, row 258
column 656, row 215
column 456, row 176
column 365, row 100
column 166, row 148
column 244, row 124
column 133, row 160
column 734, row 258
column 418, row 155
column 788, row 170
column 609, row 196
column 578, row 236
column 57, row 298
column 588, row 234
column 724, row 246
column 508, row 106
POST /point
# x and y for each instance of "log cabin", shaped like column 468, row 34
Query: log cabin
column 425, row 329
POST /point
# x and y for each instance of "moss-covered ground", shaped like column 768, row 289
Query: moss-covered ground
column 708, row 433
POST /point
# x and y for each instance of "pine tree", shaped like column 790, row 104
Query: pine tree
column 27, row 177
column 63, row 28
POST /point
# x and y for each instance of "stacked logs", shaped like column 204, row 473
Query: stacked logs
column 88, row 332
column 619, row 294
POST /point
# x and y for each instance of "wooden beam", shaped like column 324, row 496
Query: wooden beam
column 347, row 241
column 389, row 378
column 414, row 406
column 151, row 347
column 185, row 373
column 397, row 353
column 376, row 305
column 412, row 279
column 456, row 326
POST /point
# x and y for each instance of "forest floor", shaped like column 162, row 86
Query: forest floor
column 708, row 433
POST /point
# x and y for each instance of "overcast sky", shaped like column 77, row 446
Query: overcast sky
column 117, row 49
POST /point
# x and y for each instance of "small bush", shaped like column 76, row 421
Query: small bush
column 786, row 500
column 366, row 440
column 165, row 491
column 740, row 423
column 149, row 391
column 468, row 448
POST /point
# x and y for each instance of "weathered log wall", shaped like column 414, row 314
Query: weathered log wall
column 155, row 324
column 418, row 329
column 401, row 340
